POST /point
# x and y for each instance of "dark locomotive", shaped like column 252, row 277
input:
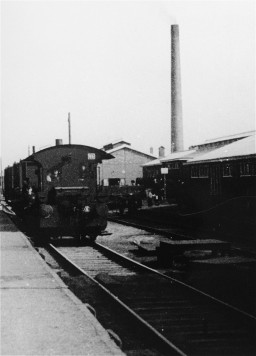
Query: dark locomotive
column 55, row 191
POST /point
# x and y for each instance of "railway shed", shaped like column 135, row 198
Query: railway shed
column 224, row 173
column 208, row 173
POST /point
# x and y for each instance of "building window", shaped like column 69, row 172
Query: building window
column 227, row 170
column 194, row 171
column 174, row 165
column 204, row 171
column 105, row 182
column 247, row 169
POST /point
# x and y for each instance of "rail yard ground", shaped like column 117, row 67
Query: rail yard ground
column 231, row 278
column 225, row 222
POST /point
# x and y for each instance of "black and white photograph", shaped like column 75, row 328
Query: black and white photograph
column 128, row 178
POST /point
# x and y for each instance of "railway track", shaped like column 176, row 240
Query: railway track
column 182, row 319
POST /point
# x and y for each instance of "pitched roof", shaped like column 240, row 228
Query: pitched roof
column 122, row 147
column 227, row 138
column 182, row 155
column 115, row 143
column 155, row 162
column 176, row 156
column 235, row 150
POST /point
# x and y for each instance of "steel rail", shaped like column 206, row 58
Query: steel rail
column 166, row 342
column 113, row 256
column 195, row 290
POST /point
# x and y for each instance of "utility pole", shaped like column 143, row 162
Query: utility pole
column 1, row 177
column 69, row 129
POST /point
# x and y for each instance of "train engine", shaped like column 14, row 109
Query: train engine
column 55, row 191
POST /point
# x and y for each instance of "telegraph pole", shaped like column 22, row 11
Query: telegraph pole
column 1, row 178
column 69, row 129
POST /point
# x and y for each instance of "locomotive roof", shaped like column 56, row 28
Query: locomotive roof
column 103, row 155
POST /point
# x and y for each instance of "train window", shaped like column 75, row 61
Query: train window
column 204, row 171
column 226, row 170
column 194, row 172
column 247, row 169
column 56, row 174
column 92, row 169
column 53, row 176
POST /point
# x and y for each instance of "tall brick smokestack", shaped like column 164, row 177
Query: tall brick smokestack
column 176, row 104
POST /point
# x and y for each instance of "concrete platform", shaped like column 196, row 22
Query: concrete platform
column 39, row 315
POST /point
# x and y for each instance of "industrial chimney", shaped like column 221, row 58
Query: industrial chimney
column 176, row 104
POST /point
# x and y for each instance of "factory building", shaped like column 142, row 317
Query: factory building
column 125, row 168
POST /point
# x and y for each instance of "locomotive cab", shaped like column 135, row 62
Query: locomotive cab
column 60, row 197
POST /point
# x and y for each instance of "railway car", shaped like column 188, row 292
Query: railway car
column 55, row 191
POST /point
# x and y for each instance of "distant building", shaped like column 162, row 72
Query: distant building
column 224, row 173
column 209, row 172
column 125, row 168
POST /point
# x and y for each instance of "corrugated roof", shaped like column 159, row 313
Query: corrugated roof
column 234, row 150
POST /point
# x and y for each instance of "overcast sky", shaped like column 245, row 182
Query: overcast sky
column 108, row 64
